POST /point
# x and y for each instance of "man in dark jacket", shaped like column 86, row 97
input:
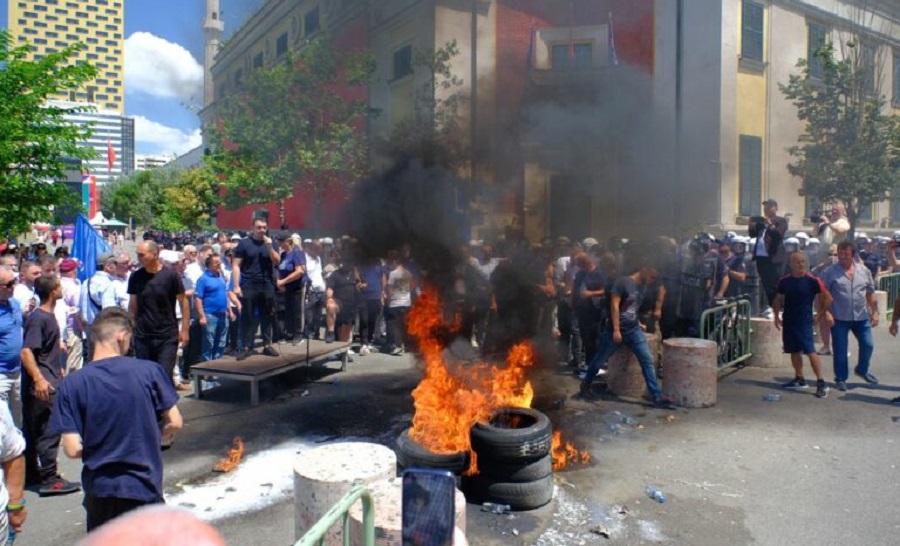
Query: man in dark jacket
column 768, row 252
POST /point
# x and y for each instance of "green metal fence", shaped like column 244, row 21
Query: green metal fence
column 890, row 284
column 341, row 511
column 729, row 326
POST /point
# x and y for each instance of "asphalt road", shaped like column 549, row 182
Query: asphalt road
column 798, row 471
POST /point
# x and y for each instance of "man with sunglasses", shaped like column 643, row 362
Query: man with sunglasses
column 24, row 291
column 11, row 322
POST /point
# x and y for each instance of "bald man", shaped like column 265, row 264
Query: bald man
column 158, row 525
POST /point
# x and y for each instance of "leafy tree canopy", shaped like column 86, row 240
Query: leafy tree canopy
column 35, row 139
column 166, row 198
column 300, row 121
column 849, row 149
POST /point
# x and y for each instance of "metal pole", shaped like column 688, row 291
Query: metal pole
column 473, row 107
column 679, row 104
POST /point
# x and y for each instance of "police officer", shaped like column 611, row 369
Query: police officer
column 698, row 278
column 733, row 252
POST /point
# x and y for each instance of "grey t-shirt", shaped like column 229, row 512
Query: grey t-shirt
column 632, row 295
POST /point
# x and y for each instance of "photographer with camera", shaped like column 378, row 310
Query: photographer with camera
column 833, row 228
column 769, row 253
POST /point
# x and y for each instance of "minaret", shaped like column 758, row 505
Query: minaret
column 213, row 27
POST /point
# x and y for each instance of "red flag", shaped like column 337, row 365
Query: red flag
column 571, row 31
column 110, row 153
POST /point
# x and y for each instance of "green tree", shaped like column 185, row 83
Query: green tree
column 849, row 149
column 298, row 122
column 166, row 198
column 434, row 131
column 139, row 196
column 35, row 139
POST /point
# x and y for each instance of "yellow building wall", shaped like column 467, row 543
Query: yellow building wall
column 752, row 100
column 99, row 24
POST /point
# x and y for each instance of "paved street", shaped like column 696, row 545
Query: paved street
column 797, row 471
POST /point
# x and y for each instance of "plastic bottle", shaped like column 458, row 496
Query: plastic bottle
column 495, row 508
column 772, row 397
column 654, row 493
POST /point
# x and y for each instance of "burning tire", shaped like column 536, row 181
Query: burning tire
column 410, row 454
column 521, row 472
column 512, row 435
column 519, row 496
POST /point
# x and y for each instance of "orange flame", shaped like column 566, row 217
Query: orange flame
column 565, row 453
column 234, row 456
column 452, row 398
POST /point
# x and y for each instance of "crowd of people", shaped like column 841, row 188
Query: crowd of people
column 142, row 321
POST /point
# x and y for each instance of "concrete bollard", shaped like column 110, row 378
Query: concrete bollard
column 691, row 377
column 765, row 342
column 623, row 371
column 881, row 297
column 322, row 476
column 388, row 498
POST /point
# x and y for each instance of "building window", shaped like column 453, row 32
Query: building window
column 750, row 175
column 867, row 65
column 403, row 62
column 281, row 45
column 895, row 207
column 566, row 56
column 752, row 30
column 865, row 214
column 311, row 21
column 258, row 60
column 896, row 78
column 816, row 38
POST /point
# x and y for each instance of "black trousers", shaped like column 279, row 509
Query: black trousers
column 769, row 274
column 315, row 303
column 41, row 448
column 292, row 310
column 396, row 326
column 103, row 509
column 368, row 320
column 257, row 310
column 589, row 329
column 161, row 350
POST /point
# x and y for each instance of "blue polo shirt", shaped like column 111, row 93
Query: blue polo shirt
column 212, row 291
column 11, row 322
column 121, row 456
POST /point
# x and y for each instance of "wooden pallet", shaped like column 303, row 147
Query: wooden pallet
column 258, row 367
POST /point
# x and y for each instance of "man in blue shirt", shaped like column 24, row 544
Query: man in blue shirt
column 797, row 292
column 11, row 322
column 291, row 273
column 211, row 301
column 120, row 450
column 853, row 309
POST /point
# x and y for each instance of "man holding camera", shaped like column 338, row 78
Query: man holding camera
column 769, row 253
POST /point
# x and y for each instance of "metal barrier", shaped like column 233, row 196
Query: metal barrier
column 729, row 326
column 341, row 511
column 890, row 283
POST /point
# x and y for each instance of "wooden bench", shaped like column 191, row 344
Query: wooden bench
column 258, row 367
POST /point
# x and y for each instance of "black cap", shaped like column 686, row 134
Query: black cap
column 770, row 202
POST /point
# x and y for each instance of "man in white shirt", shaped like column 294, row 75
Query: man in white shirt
column 98, row 293
column 315, row 297
column 70, row 328
column 120, row 279
column 24, row 292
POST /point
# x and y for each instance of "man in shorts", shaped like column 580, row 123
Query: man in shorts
column 796, row 293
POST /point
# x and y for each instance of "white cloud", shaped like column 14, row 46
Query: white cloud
column 156, row 138
column 161, row 68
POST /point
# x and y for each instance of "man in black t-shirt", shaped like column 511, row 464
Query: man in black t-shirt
column 154, row 291
column 41, row 361
column 253, row 269
column 340, row 302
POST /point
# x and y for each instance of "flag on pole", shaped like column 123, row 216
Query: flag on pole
column 530, row 59
column 110, row 153
column 613, row 56
column 571, row 31
column 86, row 246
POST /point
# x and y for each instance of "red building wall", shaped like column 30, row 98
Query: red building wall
column 300, row 209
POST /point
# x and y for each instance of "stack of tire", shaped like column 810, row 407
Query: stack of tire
column 514, row 463
column 412, row 455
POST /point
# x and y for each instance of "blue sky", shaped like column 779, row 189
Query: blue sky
column 163, row 82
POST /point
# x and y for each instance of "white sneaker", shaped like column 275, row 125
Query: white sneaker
column 351, row 351
column 364, row 350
